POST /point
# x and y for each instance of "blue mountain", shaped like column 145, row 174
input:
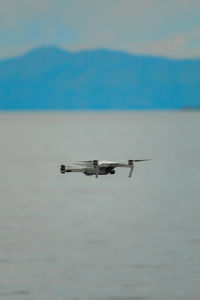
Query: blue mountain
column 51, row 78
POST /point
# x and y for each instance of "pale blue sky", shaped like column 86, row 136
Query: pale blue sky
column 157, row 27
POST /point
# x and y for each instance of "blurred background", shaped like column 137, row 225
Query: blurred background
column 107, row 80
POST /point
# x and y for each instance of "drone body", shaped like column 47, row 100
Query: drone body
column 95, row 167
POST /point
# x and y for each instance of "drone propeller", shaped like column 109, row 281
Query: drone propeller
column 138, row 160
column 83, row 162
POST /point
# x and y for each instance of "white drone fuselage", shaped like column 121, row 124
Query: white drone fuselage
column 95, row 167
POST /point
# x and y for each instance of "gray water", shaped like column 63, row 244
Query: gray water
column 77, row 237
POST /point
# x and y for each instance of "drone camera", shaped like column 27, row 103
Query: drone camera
column 112, row 172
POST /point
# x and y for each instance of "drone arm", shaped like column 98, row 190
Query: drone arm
column 65, row 169
column 74, row 170
column 125, row 165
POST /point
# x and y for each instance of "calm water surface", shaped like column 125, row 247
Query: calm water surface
column 75, row 237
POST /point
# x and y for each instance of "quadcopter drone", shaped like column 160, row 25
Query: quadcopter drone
column 95, row 167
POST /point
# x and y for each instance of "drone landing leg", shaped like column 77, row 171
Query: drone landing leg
column 131, row 172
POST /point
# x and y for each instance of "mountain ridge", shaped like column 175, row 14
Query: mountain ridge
column 55, row 79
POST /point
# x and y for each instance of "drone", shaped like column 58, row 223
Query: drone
column 95, row 167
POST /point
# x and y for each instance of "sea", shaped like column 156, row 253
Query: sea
column 71, row 236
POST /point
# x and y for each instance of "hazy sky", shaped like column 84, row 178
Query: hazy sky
column 159, row 27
